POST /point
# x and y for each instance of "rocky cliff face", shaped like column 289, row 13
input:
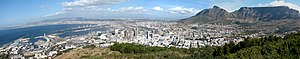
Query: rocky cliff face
column 209, row 16
column 216, row 14
column 266, row 13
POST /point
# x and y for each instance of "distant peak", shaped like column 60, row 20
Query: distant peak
column 216, row 7
column 215, row 11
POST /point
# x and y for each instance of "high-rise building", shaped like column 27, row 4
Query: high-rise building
column 149, row 35
column 135, row 33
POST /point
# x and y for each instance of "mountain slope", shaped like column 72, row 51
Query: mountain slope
column 266, row 13
column 211, row 15
column 248, row 14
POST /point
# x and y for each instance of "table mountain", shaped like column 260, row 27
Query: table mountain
column 217, row 14
column 266, row 13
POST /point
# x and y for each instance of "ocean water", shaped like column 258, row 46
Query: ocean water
column 10, row 35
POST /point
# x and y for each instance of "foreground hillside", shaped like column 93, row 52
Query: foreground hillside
column 267, row 47
column 253, row 48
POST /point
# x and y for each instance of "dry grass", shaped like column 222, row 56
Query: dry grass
column 80, row 52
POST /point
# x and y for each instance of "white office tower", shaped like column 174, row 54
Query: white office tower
column 46, row 37
column 122, row 33
column 116, row 31
column 128, row 34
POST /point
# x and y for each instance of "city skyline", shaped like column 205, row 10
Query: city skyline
column 149, row 29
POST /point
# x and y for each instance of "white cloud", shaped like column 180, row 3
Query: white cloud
column 182, row 10
column 158, row 8
column 85, row 6
column 281, row 3
column 91, row 3
column 106, row 9
column 76, row 10
column 67, row 9
column 130, row 9
column 54, row 14
column 92, row 8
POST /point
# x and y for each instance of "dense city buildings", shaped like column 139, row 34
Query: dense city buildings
column 150, row 33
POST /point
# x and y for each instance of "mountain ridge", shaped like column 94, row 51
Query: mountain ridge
column 248, row 14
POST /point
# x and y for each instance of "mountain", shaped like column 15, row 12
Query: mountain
column 249, row 14
column 266, row 13
column 209, row 16
column 215, row 12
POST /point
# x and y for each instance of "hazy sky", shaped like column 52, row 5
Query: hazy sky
column 22, row 11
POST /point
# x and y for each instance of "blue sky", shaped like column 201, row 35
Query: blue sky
column 23, row 11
